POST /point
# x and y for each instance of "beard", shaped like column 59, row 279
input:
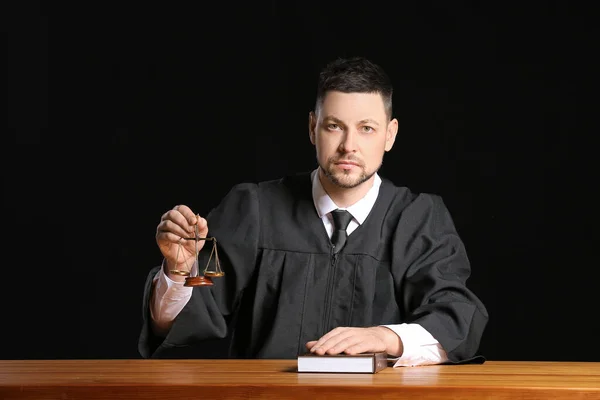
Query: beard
column 346, row 179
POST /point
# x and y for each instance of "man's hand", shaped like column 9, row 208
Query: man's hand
column 357, row 340
column 175, row 224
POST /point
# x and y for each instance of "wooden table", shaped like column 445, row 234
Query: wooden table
column 278, row 379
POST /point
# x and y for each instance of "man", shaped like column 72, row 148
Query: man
column 338, row 260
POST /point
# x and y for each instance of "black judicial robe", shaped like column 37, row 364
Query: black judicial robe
column 284, row 287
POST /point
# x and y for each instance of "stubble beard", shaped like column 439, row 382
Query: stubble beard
column 344, row 179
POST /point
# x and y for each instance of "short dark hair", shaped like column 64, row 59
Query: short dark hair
column 355, row 75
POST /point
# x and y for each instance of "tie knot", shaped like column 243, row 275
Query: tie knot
column 341, row 219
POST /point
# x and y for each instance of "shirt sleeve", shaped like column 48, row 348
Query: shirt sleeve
column 168, row 299
column 420, row 347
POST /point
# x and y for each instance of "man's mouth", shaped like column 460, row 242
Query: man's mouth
column 347, row 162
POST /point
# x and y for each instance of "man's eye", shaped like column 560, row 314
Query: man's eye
column 333, row 126
column 367, row 129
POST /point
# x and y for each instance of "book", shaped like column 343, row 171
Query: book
column 366, row 363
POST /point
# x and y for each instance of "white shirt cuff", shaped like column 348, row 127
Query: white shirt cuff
column 420, row 347
column 168, row 299
column 167, row 288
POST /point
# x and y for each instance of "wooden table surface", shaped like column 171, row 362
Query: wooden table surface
column 278, row 379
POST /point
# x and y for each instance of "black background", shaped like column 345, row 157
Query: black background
column 119, row 111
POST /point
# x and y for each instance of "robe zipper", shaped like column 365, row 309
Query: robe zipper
column 329, row 291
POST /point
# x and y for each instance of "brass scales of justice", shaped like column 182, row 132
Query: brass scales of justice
column 204, row 279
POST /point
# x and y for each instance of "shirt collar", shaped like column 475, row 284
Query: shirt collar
column 359, row 210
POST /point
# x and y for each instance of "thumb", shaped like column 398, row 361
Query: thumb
column 202, row 226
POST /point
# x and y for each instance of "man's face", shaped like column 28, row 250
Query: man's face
column 351, row 133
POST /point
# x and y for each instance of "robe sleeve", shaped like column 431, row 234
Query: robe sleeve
column 431, row 270
column 205, row 320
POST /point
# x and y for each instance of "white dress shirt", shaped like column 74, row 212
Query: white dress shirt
column 420, row 347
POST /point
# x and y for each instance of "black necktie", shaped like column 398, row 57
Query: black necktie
column 341, row 219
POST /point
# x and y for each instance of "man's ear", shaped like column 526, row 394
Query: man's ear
column 390, row 135
column 312, row 126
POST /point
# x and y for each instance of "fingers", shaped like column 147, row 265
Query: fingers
column 328, row 335
column 348, row 341
column 180, row 221
column 311, row 344
column 186, row 212
column 330, row 340
column 171, row 231
column 352, row 345
column 169, row 236
column 363, row 346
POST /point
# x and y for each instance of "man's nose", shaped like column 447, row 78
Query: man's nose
column 348, row 143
